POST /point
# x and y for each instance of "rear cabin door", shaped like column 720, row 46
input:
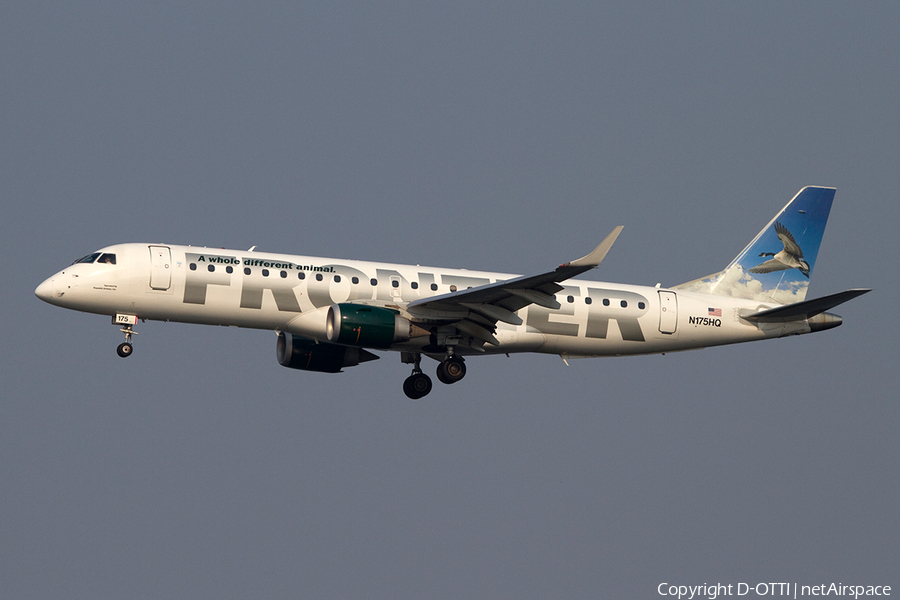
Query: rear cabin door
column 668, row 312
column 160, row 267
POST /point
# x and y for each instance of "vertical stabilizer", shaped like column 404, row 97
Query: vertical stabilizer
column 777, row 264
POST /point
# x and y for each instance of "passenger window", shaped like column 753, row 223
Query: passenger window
column 337, row 278
column 193, row 266
column 265, row 272
column 318, row 277
column 570, row 299
column 641, row 305
column 395, row 283
column 623, row 304
column 301, row 275
column 588, row 300
column 284, row 274
column 229, row 270
column 247, row 270
column 211, row 268
column 433, row 287
column 374, row 282
column 414, row 285
column 606, row 302
column 355, row 280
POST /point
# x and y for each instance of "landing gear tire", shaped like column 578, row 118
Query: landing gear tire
column 417, row 385
column 451, row 370
column 441, row 376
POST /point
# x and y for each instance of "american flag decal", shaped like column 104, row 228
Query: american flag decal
column 715, row 312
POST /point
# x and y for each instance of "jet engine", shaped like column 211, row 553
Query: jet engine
column 296, row 352
column 365, row 326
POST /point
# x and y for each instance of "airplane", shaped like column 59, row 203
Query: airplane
column 330, row 314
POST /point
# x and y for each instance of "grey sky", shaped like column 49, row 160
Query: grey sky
column 500, row 136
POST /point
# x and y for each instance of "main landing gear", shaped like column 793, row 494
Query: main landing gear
column 418, row 385
column 451, row 369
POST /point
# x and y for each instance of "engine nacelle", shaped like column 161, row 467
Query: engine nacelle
column 365, row 326
column 296, row 352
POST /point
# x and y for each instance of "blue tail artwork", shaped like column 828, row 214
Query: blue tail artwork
column 777, row 265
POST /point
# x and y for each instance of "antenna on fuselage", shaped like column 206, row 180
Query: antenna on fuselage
column 252, row 248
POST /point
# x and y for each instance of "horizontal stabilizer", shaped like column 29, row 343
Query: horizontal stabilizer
column 806, row 309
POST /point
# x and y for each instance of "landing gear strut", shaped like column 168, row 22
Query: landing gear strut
column 125, row 348
column 418, row 384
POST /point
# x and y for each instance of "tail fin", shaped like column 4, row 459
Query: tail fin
column 777, row 264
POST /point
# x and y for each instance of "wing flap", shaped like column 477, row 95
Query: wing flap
column 477, row 331
column 495, row 312
column 535, row 297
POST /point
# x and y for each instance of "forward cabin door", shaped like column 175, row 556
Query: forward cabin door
column 668, row 312
column 160, row 267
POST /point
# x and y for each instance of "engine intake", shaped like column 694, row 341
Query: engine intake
column 297, row 352
column 365, row 326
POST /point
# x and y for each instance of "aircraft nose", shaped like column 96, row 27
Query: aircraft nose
column 45, row 291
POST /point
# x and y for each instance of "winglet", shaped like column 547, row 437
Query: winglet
column 594, row 259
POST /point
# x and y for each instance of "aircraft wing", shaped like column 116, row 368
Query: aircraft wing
column 475, row 311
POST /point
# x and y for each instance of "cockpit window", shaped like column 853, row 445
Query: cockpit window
column 87, row 259
column 109, row 259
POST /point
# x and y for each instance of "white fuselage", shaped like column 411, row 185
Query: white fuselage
column 292, row 294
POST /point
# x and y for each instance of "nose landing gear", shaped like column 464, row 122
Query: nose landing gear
column 127, row 321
